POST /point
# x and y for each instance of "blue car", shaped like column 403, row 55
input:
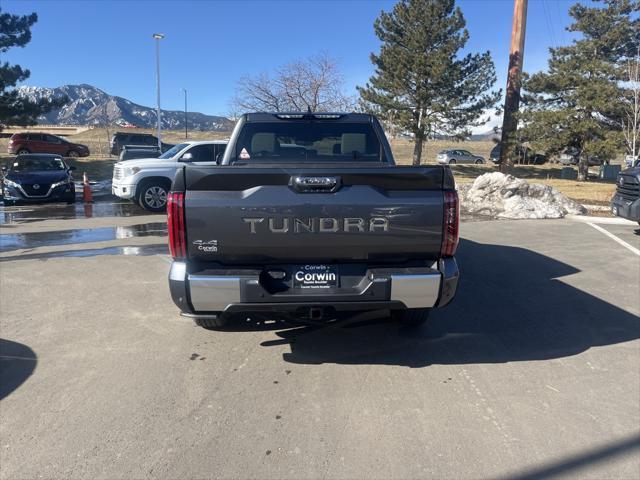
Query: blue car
column 36, row 178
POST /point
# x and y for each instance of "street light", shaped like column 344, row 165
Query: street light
column 158, row 37
column 186, row 131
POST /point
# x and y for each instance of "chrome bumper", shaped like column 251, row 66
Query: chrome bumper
column 198, row 293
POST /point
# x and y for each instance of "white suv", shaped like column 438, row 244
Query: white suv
column 148, row 180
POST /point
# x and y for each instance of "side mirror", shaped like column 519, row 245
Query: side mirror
column 4, row 169
column 187, row 157
column 219, row 158
column 71, row 168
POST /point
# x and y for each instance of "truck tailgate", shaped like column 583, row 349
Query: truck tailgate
column 247, row 214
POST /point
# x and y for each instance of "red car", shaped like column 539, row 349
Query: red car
column 34, row 142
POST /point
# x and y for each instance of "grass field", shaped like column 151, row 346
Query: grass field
column 100, row 165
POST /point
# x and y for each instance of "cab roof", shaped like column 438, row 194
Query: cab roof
column 288, row 116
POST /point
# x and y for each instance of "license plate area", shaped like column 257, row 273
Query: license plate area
column 315, row 277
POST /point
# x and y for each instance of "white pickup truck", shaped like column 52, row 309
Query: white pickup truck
column 147, row 181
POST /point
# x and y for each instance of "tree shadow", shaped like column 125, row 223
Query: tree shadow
column 511, row 306
column 17, row 363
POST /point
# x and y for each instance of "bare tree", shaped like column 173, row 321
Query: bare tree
column 314, row 84
column 631, row 124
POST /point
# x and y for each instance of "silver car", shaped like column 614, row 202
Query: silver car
column 450, row 157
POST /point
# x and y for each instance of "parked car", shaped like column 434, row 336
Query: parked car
column 34, row 178
column 525, row 155
column 146, row 181
column 36, row 142
column 626, row 200
column 144, row 140
column 451, row 157
column 267, row 230
column 128, row 153
column 571, row 156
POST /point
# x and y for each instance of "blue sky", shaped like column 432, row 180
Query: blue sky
column 210, row 44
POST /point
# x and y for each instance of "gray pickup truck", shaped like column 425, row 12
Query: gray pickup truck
column 626, row 201
column 307, row 216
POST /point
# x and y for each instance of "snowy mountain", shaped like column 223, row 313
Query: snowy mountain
column 89, row 105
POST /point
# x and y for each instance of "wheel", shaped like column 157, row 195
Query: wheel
column 212, row 322
column 479, row 162
column 153, row 196
column 23, row 151
column 9, row 203
column 412, row 317
column 452, row 162
column 72, row 154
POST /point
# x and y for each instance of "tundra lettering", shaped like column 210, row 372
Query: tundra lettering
column 319, row 225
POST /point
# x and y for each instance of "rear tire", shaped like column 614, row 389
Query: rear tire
column 479, row 162
column 152, row 195
column 212, row 323
column 412, row 317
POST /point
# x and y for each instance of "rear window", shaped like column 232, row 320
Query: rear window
column 307, row 141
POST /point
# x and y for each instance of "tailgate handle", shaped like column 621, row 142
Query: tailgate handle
column 315, row 184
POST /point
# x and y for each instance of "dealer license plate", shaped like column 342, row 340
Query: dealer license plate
column 315, row 276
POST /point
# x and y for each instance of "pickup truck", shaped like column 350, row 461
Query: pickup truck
column 146, row 181
column 307, row 217
column 626, row 201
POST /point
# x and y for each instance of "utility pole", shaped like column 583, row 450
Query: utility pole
column 514, row 78
column 158, row 37
column 186, row 130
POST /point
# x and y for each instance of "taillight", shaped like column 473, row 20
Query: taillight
column 451, row 224
column 175, row 225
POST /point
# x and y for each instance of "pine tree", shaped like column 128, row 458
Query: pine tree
column 15, row 31
column 420, row 83
column 578, row 103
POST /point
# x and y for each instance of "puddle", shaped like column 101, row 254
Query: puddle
column 17, row 241
column 16, row 215
column 138, row 250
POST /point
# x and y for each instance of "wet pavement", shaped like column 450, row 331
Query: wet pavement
column 135, row 250
column 106, row 227
column 16, row 215
column 18, row 241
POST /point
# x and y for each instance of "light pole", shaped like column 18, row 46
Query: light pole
column 158, row 37
column 186, row 130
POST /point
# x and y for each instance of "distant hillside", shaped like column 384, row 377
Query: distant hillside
column 89, row 105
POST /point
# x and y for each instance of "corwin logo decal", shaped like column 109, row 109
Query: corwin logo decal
column 206, row 246
column 317, row 224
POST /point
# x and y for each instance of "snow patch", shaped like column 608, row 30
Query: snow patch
column 505, row 196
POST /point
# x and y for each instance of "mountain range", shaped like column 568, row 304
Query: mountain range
column 88, row 105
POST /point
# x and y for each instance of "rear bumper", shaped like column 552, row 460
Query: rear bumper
column 629, row 209
column 213, row 292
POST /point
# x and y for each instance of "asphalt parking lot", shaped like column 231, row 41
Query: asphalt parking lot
column 532, row 372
